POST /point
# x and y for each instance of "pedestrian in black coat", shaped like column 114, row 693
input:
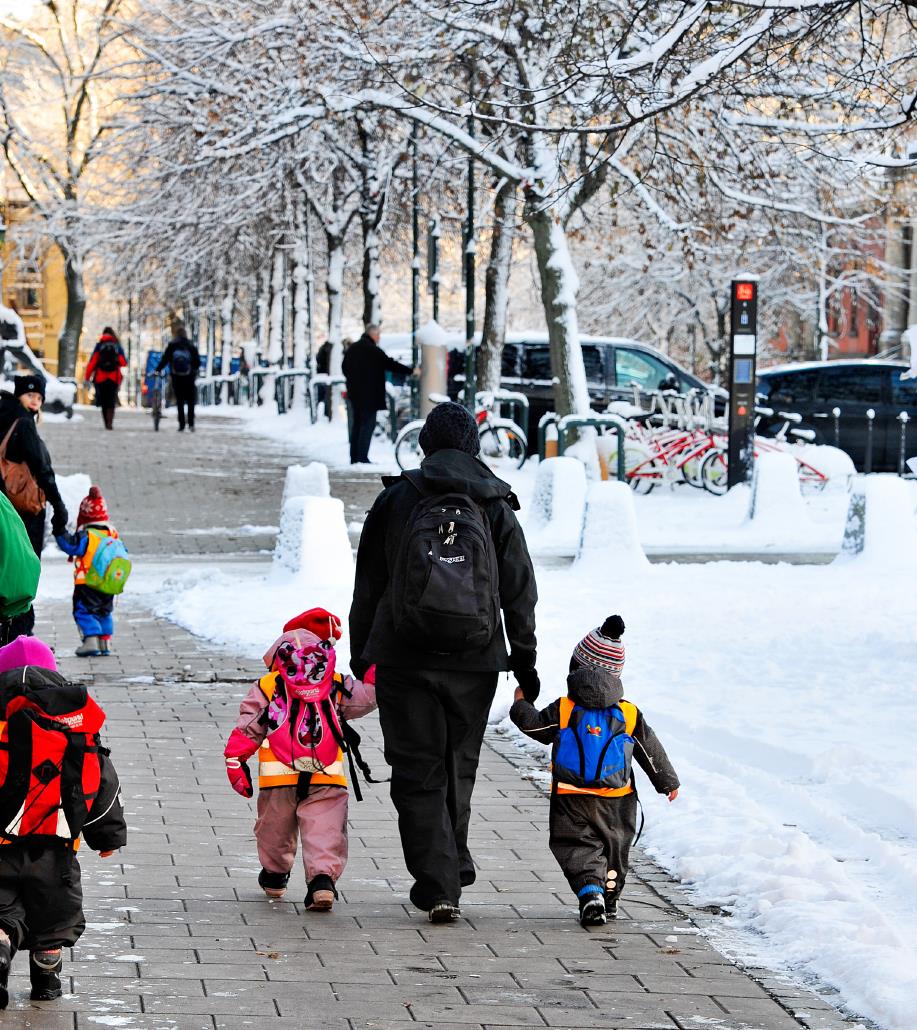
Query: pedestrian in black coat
column 364, row 367
column 433, row 705
column 184, row 362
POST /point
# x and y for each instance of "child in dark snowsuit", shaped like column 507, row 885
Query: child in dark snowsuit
column 593, row 812
column 93, row 610
column 57, row 783
column 300, row 795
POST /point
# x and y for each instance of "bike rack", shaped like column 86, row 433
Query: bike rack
column 519, row 405
column 598, row 421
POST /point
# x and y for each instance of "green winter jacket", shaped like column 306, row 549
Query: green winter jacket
column 19, row 565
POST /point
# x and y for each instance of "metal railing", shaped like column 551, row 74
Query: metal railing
column 597, row 421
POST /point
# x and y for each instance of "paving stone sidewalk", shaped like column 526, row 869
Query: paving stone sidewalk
column 181, row 937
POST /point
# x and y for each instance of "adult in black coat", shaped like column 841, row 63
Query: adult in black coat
column 184, row 362
column 434, row 704
column 364, row 366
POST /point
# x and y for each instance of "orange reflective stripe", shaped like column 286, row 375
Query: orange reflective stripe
column 601, row 792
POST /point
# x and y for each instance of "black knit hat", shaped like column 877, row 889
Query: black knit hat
column 32, row 383
column 450, row 425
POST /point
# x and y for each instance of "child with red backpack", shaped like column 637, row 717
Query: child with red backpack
column 101, row 568
column 596, row 734
column 295, row 718
column 57, row 784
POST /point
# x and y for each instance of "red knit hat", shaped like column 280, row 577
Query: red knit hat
column 318, row 621
column 92, row 509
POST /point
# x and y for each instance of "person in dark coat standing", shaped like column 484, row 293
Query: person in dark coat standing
column 18, row 412
column 184, row 362
column 433, row 701
column 323, row 367
column 364, row 367
column 104, row 372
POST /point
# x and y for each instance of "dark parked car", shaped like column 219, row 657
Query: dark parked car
column 613, row 366
column 814, row 389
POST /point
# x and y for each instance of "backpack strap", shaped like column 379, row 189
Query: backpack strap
column 630, row 714
column 567, row 704
column 267, row 684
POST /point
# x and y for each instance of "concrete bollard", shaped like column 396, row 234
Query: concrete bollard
column 881, row 527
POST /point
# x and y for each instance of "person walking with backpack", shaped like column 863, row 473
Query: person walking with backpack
column 104, row 371
column 441, row 556
column 596, row 734
column 295, row 719
column 181, row 357
column 57, row 784
column 101, row 567
column 19, row 571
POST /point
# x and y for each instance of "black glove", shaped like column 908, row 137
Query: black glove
column 59, row 521
column 358, row 668
column 529, row 684
column 613, row 627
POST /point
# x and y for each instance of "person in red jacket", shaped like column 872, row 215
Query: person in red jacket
column 104, row 372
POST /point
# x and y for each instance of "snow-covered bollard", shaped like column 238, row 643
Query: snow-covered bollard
column 775, row 495
column 306, row 481
column 555, row 523
column 312, row 542
column 881, row 527
column 609, row 542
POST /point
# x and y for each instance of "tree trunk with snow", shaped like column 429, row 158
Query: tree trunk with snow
column 69, row 339
column 372, row 302
column 227, row 311
column 334, row 287
column 278, row 288
column 263, row 310
column 559, row 285
column 300, row 314
column 496, row 286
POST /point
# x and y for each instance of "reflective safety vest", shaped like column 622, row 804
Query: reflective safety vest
column 629, row 712
column 274, row 773
column 83, row 562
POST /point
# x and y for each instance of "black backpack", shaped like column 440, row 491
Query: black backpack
column 181, row 360
column 445, row 585
column 108, row 357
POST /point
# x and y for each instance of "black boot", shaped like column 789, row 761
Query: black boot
column 611, row 905
column 444, row 912
column 44, row 972
column 6, row 956
column 322, row 894
column 274, row 885
column 592, row 909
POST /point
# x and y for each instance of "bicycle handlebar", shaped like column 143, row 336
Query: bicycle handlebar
column 790, row 416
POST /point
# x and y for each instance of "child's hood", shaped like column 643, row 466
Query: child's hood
column 591, row 687
column 297, row 637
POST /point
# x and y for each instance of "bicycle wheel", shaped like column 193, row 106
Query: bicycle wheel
column 407, row 447
column 714, row 473
column 641, row 469
column 503, row 445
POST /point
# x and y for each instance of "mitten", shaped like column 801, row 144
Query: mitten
column 238, row 749
column 613, row 627
column 529, row 684
column 59, row 521
column 369, row 677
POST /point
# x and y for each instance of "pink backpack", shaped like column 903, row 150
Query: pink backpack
column 304, row 730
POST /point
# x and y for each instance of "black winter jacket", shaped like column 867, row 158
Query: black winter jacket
column 372, row 633
column 364, row 366
column 27, row 446
column 105, row 828
column 591, row 688
column 166, row 359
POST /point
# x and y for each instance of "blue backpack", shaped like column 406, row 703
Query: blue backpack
column 110, row 565
column 594, row 746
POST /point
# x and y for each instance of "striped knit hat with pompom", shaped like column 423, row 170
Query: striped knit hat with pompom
column 602, row 648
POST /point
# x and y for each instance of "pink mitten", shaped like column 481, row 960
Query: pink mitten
column 238, row 749
column 369, row 677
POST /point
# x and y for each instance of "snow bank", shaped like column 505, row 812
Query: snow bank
column 609, row 542
column 555, row 516
column 312, row 543
column 880, row 524
column 777, row 515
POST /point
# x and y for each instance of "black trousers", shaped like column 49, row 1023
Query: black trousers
column 591, row 837
column 41, row 899
column 361, row 433
column 185, row 395
column 433, row 723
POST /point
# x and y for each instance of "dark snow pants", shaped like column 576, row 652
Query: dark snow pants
column 591, row 837
column 41, row 900
column 433, row 722
column 361, row 433
column 185, row 395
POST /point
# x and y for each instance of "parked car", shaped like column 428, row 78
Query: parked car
column 815, row 389
column 614, row 365
column 16, row 357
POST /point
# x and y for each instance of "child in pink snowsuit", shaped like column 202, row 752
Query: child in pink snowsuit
column 299, row 796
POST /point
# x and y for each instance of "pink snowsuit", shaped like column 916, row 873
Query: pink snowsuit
column 319, row 819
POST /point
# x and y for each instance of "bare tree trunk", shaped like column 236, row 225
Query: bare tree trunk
column 496, row 283
column 372, row 302
column 69, row 340
column 559, row 286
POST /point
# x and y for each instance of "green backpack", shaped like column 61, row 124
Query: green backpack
column 110, row 565
column 19, row 565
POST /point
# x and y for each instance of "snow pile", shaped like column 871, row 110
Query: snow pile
column 880, row 524
column 312, row 543
column 609, row 542
column 72, row 490
column 306, row 481
column 555, row 522
column 777, row 515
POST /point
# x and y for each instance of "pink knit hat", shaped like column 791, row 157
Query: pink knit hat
column 27, row 651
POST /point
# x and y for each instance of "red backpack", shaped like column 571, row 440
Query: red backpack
column 49, row 762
